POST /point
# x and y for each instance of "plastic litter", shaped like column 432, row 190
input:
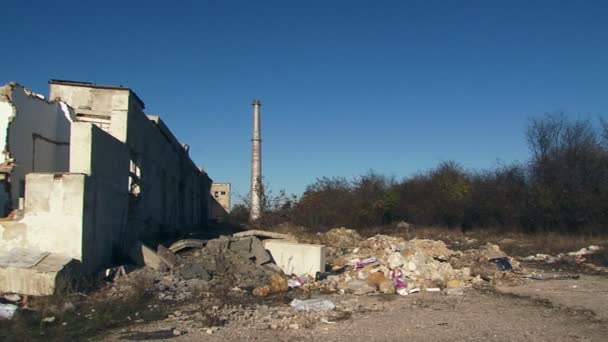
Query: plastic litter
column 297, row 282
column 557, row 277
column 316, row 304
column 365, row 262
column 7, row 311
column 502, row 264
column 399, row 282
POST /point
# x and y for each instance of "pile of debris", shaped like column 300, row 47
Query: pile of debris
column 578, row 257
column 390, row 264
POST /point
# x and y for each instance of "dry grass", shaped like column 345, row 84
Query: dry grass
column 79, row 317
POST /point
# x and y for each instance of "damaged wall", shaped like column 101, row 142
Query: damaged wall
column 35, row 137
column 82, row 214
column 168, row 191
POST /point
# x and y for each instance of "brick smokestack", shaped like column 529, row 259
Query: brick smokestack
column 256, row 164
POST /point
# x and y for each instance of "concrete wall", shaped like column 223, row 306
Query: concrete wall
column 106, row 198
column 220, row 200
column 82, row 214
column 34, row 135
column 54, row 205
column 168, row 192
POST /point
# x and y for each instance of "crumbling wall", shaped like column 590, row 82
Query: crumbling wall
column 82, row 214
column 34, row 135
column 168, row 192
column 173, row 192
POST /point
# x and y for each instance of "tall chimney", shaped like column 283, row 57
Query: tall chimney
column 256, row 164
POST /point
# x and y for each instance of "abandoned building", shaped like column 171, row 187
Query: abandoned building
column 86, row 174
column 221, row 207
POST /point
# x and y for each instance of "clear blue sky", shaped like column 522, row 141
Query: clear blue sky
column 346, row 86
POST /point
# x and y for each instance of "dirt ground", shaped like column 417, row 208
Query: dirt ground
column 548, row 310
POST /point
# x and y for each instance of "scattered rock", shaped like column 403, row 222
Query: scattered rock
column 262, row 291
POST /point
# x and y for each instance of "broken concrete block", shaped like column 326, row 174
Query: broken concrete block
column 297, row 258
column 263, row 233
column 144, row 256
column 53, row 273
column 166, row 256
column 251, row 247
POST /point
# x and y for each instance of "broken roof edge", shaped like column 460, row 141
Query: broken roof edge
column 172, row 139
column 98, row 86
column 28, row 92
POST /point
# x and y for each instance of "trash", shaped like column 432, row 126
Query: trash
column 297, row 281
column 316, row 304
column 365, row 262
column 502, row 264
column 433, row 289
column 556, row 277
column 12, row 297
column 7, row 311
column 50, row 319
column 186, row 243
column 324, row 275
column 399, row 282
column 114, row 273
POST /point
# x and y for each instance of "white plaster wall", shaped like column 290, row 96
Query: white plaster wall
column 53, row 216
column 113, row 102
column 106, row 160
column 32, row 115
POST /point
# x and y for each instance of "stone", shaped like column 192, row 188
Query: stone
column 386, row 286
column 395, row 260
column 278, row 283
column 454, row 283
column 251, row 247
column 144, row 256
column 166, row 256
column 376, row 278
column 194, row 271
column 358, row 287
column 197, row 284
column 454, row 291
column 262, row 291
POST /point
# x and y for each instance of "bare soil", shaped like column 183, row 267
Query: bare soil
column 550, row 310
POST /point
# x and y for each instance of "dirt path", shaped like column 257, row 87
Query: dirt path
column 537, row 311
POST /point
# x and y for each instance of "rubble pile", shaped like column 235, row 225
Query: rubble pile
column 578, row 257
column 364, row 266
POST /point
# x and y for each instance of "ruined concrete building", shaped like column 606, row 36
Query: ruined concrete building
column 85, row 175
column 221, row 207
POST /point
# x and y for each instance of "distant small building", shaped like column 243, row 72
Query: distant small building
column 220, row 192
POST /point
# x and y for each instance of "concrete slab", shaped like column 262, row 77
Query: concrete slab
column 144, row 256
column 53, row 273
column 297, row 258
